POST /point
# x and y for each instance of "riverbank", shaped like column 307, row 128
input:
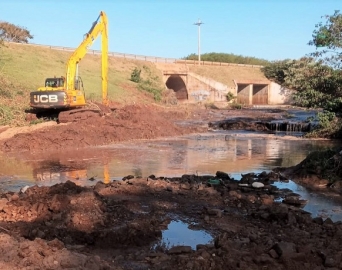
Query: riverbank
column 118, row 225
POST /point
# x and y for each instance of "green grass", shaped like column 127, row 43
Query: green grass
column 23, row 68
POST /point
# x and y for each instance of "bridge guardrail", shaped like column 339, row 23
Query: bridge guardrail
column 154, row 59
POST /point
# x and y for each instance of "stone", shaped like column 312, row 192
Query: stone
column 329, row 262
column 267, row 199
column 318, row 220
column 14, row 197
column 257, row 185
column 328, row 221
column 273, row 254
column 24, row 189
column 291, row 218
column 222, row 175
column 284, row 248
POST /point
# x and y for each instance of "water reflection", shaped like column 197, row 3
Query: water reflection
column 196, row 154
column 319, row 205
column 179, row 234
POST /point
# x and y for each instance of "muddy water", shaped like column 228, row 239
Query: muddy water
column 196, row 154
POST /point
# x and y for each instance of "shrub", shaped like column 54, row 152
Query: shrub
column 230, row 96
column 135, row 76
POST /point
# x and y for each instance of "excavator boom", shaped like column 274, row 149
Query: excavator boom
column 100, row 26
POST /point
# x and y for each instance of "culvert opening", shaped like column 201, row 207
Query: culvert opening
column 176, row 83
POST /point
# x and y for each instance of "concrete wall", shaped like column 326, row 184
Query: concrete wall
column 279, row 95
column 244, row 93
column 202, row 88
column 260, row 94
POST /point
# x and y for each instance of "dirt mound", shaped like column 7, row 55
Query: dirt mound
column 18, row 253
column 124, row 124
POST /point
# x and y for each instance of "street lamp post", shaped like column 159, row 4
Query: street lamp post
column 198, row 23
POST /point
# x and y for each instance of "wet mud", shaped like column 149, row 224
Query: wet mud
column 119, row 224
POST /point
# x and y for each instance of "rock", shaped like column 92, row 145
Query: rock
column 291, row 218
column 284, row 248
column 185, row 186
column 273, row 254
column 243, row 185
column 179, row 250
column 294, row 201
column 328, row 221
column 222, row 175
column 23, row 189
column 318, row 220
column 14, row 197
column 251, row 198
column 257, row 185
column 267, row 199
column 128, row 177
column 99, row 186
column 215, row 212
column 329, row 262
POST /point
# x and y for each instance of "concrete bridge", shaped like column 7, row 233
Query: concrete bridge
column 190, row 87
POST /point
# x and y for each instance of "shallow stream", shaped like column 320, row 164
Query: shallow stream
column 201, row 154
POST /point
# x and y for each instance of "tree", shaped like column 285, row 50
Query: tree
column 227, row 58
column 14, row 33
column 327, row 38
column 317, row 85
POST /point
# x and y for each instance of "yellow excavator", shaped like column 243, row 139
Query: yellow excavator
column 65, row 94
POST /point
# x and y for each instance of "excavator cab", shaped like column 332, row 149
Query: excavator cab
column 54, row 82
column 54, row 95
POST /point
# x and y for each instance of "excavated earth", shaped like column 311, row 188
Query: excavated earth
column 116, row 225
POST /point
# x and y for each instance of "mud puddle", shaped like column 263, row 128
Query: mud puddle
column 179, row 233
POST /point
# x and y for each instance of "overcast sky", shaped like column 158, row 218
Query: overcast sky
column 268, row 29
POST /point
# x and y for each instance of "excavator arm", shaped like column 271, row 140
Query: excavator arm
column 100, row 26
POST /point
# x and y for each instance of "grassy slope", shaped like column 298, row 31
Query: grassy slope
column 23, row 68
